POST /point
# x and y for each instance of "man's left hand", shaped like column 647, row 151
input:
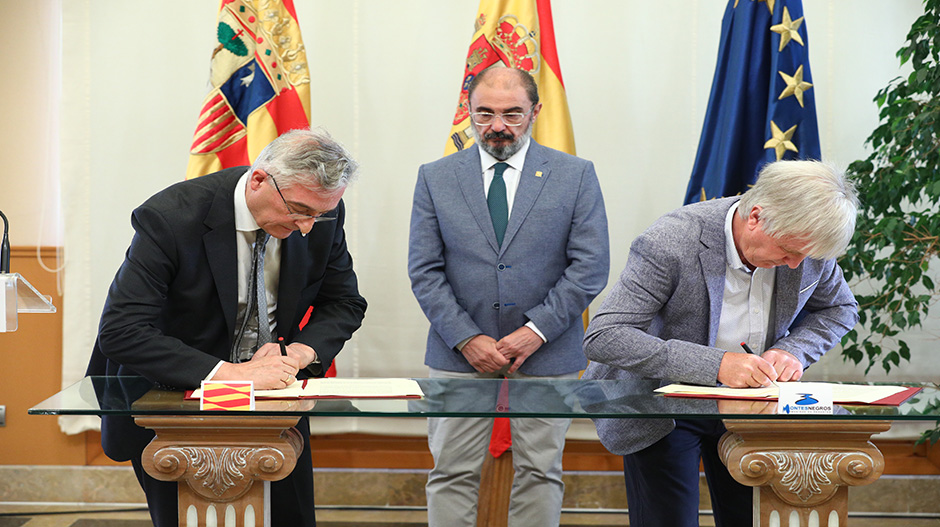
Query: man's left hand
column 788, row 367
column 518, row 345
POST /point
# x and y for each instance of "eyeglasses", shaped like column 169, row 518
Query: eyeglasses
column 296, row 215
column 509, row 119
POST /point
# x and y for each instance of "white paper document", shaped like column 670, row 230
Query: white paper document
column 841, row 393
column 346, row 388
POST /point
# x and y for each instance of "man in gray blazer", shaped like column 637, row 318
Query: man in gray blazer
column 699, row 282
column 508, row 246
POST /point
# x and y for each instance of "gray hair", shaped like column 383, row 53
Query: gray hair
column 309, row 157
column 805, row 199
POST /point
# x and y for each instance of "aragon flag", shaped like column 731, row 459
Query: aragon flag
column 259, row 89
column 516, row 34
column 259, row 85
column 761, row 107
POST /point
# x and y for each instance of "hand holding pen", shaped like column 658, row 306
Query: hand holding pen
column 751, row 352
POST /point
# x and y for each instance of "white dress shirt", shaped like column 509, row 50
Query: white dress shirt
column 748, row 301
column 511, row 177
column 245, row 227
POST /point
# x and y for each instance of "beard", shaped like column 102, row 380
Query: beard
column 508, row 149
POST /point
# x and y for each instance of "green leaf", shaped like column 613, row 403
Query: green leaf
column 895, row 251
column 903, row 350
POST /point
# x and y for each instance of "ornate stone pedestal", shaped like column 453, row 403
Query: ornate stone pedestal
column 801, row 469
column 223, row 464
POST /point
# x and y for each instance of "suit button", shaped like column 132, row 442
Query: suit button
column 495, row 305
column 501, row 266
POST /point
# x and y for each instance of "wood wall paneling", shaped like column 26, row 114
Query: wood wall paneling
column 31, row 366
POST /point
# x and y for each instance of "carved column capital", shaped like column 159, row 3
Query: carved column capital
column 803, row 462
column 243, row 450
column 220, row 473
column 804, row 477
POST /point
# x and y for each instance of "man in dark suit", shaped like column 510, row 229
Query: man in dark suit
column 758, row 269
column 183, row 306
column 504, row 282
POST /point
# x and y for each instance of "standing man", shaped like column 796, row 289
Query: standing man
column 508, row 246
column 699, row 282
column 184, row 306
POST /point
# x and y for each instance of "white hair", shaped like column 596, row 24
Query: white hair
column 308, row 157
column 811, row 200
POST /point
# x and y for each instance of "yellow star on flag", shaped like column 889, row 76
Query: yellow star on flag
column 788, row 29
column 795, row 85
column 780, row 141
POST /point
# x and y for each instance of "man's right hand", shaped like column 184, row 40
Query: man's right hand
column 481, row 353
column 743, row 370
column 268, row 372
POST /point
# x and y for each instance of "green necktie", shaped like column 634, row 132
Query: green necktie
column 496, row 201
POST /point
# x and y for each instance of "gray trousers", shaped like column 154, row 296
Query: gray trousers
column 459, row 448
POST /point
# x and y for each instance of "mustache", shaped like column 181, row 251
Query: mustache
column 498, row 135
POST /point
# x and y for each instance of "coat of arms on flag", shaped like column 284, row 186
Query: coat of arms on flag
column 516, row 34
column 259, row 85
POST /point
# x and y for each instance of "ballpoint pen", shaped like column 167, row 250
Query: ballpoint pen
column 280, row 340
column 750, row 351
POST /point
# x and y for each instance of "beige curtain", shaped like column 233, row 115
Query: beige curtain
column 385, row 80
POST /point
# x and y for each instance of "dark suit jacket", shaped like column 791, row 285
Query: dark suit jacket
column 170, row 311
column 553, row 260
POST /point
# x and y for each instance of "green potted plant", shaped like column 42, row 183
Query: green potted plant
column 892, row 261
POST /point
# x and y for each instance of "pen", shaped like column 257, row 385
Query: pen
column 750, row 351
column 280, row 340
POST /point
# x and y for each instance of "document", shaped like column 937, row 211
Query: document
column 341, row 389
column 841, row 393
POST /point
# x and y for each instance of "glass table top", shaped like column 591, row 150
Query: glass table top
column 474, row 398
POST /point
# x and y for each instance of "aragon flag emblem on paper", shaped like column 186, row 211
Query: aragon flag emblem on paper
column 227, row 395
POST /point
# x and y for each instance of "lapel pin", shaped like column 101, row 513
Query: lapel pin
column 538, row 173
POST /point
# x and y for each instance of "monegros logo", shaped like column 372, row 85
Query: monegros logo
column 805, row 398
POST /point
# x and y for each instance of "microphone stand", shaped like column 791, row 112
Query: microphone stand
column 5, row 246
column 16, row 294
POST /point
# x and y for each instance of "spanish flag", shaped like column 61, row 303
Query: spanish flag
column 259, row 85
column 517, row 34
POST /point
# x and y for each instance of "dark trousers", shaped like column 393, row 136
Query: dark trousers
column 291, row 498
column 663, row 480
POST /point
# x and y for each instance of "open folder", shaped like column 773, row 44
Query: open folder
column 340, row 389
column 841, row 393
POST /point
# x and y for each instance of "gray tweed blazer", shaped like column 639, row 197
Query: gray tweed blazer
column 661, row 317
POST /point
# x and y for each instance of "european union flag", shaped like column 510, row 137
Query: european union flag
column 761, row 108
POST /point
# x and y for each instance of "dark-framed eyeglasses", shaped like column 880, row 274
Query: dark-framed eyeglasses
column 508, row 119
column 297, row 215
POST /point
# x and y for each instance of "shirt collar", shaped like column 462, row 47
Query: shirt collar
column 515, row 161
column 244, row 221
column 731, row 252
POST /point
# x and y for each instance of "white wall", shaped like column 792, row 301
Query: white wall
column 29, row 121
column 385, row 80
